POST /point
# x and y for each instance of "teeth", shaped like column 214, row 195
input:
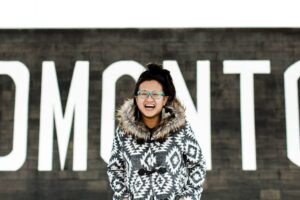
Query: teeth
column 149, row 106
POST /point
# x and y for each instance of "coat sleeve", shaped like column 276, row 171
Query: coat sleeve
column 195, row 164
column 116, row 169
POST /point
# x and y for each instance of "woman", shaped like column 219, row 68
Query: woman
column 155, row 155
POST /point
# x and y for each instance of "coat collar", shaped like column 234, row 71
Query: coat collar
column 173, row 118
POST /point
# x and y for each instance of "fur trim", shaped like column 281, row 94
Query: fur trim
column 172, row 119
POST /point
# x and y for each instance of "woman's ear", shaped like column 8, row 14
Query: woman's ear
column 165, row 100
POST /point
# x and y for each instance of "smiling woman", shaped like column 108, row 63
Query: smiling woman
column 155, row 154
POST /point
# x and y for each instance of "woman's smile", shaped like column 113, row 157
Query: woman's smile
column 149, row 107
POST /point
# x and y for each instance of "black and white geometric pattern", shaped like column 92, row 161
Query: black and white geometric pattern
column 180, row 173
column 140, row 186
column 133, row 147
column 173, row 160
column 163, row 184
column 148, row 159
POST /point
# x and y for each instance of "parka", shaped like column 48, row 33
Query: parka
column 165, row 163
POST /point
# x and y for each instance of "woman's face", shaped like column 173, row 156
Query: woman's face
column 151, row 106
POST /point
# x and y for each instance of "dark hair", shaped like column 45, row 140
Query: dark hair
column 163, row 76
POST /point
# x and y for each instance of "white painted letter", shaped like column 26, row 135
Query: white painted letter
column 247, row 69
column 51, row 109
column 19, row 73
column 291, row 77
column 200, row 118
column 110, row 76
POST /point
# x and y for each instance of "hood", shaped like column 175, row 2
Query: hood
column 173, row 118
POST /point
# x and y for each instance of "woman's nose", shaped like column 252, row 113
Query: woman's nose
column 149, row 96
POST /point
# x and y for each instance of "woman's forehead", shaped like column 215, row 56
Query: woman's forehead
column 150, row 85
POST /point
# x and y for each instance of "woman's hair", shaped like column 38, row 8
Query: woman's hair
column 156, row 72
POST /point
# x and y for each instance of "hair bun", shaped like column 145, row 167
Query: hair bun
column 154, row 67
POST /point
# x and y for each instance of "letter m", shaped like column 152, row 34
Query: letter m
column 51, row 111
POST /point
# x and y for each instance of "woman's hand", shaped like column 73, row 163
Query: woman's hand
column 126, row 198
column 181, row 198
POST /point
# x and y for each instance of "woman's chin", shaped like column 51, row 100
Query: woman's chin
column 150, row 114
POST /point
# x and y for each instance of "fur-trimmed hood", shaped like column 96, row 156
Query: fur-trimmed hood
column 173, row 118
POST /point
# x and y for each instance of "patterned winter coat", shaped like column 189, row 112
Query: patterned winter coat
column 161, row 164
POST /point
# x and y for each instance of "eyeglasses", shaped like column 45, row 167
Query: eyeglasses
column 144, row 94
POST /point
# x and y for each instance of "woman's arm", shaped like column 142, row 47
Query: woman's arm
column 116, row 170
column 195, row 164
